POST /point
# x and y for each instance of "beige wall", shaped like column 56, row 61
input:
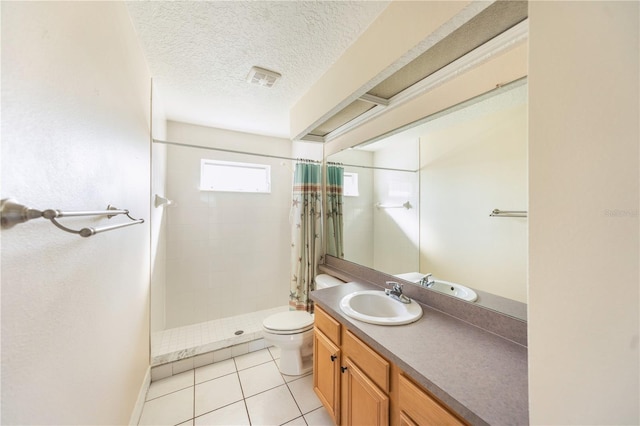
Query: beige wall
column 75, row 136
column 227, row 252
column 583, row 223
column 473, row 161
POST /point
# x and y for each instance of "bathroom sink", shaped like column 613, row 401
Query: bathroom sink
column 452, row 289
column 375, row 307
column 455, row 290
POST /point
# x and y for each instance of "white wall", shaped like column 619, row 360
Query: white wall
column 583, row 222
column 396, row 230
column 227, row 253
column 75, row 136
column 158, row 219
column 474, row 160
column 357, row 212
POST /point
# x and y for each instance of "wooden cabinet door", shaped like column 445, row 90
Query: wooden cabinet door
column 405, row 420
column 419, row 407
column 326, row 374
column 365, row 403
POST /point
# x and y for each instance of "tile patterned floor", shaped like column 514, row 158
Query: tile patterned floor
column 245, row 390
column 171, row 344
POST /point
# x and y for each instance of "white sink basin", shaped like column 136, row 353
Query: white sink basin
column 452, row 289
column 455, row 290
column 375, row 307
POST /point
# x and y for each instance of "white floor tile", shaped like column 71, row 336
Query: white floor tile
column 217, row 393
column 170, row 384
column 252, row 359
column 296, row 422
column 187, row 423
column 213, row 371
column 260, row 378
column 169, row 410
column 234, row 414
column 275, row 352
column 319, row 417
column 273, row 407
column 302, row 390
column 288, row 378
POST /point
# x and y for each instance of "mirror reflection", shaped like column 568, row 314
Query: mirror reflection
column 419, row 201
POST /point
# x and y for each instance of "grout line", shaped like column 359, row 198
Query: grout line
column 295, row 401
column 193, row 408
column 220, row 408
column 244, row 399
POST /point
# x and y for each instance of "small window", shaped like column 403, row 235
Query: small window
column 234, row 177
column 350, row 184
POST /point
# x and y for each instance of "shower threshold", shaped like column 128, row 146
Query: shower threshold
column 183, row 342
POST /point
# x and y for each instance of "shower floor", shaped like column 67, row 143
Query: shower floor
column 182, row 342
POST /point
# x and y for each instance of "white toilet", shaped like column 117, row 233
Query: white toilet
column 292, row 332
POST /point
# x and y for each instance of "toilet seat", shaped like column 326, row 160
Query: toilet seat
column 291, row 322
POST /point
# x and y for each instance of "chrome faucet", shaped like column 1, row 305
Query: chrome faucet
column 396, row 292
column 427, row 280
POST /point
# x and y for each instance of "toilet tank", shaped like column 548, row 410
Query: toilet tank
column 326, row 281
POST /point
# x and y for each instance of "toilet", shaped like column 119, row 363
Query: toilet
column 292, row 332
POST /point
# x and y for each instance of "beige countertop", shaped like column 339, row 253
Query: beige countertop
column 479, row 375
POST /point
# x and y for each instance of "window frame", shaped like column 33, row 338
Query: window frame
column 208, row 182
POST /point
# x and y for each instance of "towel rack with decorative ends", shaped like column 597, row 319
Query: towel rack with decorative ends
column 12, row 213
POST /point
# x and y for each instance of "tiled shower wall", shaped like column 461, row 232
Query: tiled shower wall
column 227, row 252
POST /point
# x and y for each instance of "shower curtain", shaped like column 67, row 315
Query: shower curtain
column 335, row 183
column 305, row 233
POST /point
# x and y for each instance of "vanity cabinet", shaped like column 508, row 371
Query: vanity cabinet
column 326, row 362
column 417, row 407
column 357, row 386
column 350, row 379
column 326, row 373
column 364, row 402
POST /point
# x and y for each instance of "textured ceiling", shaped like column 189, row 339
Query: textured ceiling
column 200, row 53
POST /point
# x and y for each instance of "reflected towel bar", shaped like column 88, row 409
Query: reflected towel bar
column 12, row 213
column 406, row 205
column 508, row 213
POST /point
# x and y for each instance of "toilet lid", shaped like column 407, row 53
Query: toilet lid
column 288, row 321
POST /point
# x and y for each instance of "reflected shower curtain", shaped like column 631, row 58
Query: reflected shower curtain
column 335, row 184
column 306, row 229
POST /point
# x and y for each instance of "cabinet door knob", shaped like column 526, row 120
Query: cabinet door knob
column 333, row 358
column 343, row 369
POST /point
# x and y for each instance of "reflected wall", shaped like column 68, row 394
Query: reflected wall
column 451, row 170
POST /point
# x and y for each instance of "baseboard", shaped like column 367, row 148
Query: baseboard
column 142, row 395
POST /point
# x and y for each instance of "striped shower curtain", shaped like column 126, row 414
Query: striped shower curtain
column 334, row 189
column 306, row 230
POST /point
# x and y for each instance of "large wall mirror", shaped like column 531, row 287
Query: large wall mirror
column 420, row 199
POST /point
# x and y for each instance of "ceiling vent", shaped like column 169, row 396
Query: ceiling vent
column 263, row 77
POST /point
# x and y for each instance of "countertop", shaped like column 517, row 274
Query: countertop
column 479, row 375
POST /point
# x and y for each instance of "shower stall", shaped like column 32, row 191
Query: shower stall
column 220, row 258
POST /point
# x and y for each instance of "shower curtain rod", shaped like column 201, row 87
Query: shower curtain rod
column 232, row 151
column 371, row 167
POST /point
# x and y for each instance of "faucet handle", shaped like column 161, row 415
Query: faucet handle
column 427, row 280
column 395, row 285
